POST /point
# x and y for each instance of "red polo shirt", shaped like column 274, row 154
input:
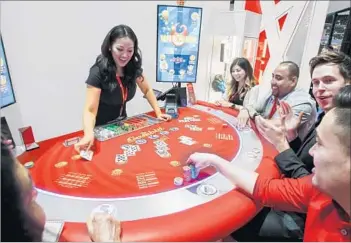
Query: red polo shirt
column 326, row 220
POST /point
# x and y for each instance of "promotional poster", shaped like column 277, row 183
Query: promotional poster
column 178, row 38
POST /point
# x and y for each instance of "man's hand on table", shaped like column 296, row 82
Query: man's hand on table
column 102, row 227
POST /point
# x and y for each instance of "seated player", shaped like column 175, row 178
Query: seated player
column 22, row 219
column 325, row 196
column 112, row 82
column 265, row 103
column 330, row 72
column 242, row 81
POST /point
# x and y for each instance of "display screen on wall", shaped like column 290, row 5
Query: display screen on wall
column 178, row 39
column 6, row 90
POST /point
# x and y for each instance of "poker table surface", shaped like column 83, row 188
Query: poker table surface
column 149, row 205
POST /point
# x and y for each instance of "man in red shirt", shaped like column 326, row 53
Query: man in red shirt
column 325, row 195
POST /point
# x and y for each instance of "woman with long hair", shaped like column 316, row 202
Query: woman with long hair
column 112, row 83
column 242, row 81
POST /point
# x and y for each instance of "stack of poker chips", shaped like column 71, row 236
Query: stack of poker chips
column 187, row 173
column 178, row 181
column 190, row 172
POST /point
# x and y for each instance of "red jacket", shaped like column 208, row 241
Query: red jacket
column 326, row 220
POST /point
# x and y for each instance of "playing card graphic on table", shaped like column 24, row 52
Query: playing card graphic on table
column 161, row 147
column 129, row 153
column 163, row 153
column 121, row 158
column 160, row 143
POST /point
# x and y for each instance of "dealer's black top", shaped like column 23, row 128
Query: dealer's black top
column 111, row 99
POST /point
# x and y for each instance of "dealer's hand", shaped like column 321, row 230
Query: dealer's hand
column 85, row 143
column 102, row 227
column 164, row 117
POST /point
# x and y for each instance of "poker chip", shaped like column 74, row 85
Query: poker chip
column 76, row 157
column 116, row 172
column 187, row 173
column 61, row 164
column 140, row 141
column 207, row 145
column 194, row 171
column 164, row 132
column 210, row 128
column 178, row 181
column 29, row 164
column 175, row 163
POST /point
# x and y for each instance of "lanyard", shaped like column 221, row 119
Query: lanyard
column 124, row 91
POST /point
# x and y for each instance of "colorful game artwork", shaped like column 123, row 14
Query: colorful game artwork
column 178, row 38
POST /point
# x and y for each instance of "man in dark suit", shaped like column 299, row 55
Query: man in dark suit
column 330, row 71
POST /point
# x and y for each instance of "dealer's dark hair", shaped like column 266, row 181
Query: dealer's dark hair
column 340, row 59
column 342, row 112
column 15, row 222
column 106, row 64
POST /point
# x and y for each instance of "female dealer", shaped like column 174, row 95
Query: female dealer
column 112, row 82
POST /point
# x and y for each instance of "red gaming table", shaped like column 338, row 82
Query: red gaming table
column 142, row 189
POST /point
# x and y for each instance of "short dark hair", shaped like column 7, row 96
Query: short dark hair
column 15, row 222
column 340, row 59
column 294, row 70
column 342, row 114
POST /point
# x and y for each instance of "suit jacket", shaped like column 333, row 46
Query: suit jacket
column 297, row 162
column 258, row 98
